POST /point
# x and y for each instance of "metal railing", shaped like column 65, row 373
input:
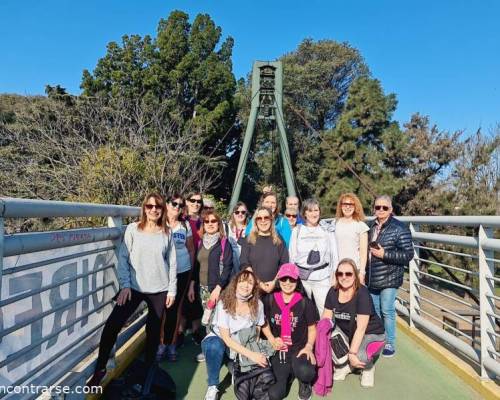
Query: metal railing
column 449, row 290
column 56, row 291
column 53, row 303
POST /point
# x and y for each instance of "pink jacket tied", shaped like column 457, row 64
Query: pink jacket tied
column 323, row 353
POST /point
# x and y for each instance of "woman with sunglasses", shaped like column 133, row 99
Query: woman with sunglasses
column 350, row 307
column 352, row 232
column 291, row 214
column 239, row 309
column 235, row 230
column 264, row 251
column 184, row 247
column 292, row 319
column 147, row 271
column 270, row 200
column 194, row 206
column 313, row 248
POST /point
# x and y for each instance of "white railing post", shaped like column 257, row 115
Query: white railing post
column 414, row 281
column 114, row 222
column 486, row 304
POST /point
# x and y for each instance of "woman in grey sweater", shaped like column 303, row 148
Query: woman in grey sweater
column 147, row 271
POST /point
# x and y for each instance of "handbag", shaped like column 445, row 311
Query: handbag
column 340, row 346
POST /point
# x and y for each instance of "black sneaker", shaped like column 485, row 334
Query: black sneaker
column 180, row 339
column 197, row 337
column 96, row 379
column 305, row 391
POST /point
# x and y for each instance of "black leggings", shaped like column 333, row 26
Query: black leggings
column 172, row 314
column 286, row 371
column 120, row 315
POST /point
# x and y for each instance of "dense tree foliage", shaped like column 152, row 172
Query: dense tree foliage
column 166, row 113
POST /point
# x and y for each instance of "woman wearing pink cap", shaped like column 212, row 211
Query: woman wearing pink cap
column 292, row 319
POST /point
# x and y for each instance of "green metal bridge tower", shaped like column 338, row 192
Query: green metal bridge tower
column 267, row 104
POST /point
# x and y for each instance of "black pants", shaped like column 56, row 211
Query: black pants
column 288, row 369
column 173, row 314
column 120, row 315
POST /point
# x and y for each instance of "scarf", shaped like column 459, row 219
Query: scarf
column 209, row 240
column 286, row 326
column 244, row 298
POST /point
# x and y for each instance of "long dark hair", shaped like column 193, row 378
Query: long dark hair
column 228, row 296
column 159, row 201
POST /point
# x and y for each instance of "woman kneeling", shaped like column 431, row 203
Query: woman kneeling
column 239, row 309
column 292, row 319
column 350, row 307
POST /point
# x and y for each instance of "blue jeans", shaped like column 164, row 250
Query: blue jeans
column 213, row 349
column 385, row 300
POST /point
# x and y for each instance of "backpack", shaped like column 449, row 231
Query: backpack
column 235, row 268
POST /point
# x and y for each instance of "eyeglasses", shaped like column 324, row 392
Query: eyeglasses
column 348, row 204
column 288, row 279
column 198, row 201
column 341, row 274
column 385, row 208
column 263, row 219
column 291, row 215
column 208, row 208
column 210, row 221
column 151, row 206
column 177, row 205
column 240, row 212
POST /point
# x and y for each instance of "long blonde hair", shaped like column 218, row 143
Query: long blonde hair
column 254, row 233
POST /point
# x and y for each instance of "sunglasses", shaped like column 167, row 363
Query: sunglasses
column 263, row 219
column 198, row 201
column 385, row 208
column 240, row 212
column 211, row 221
column 177, row 205
column 291, row 215
column 348, row 204
column 151, row 206
column 346, row 274
column 208, row 208
column 288, row 279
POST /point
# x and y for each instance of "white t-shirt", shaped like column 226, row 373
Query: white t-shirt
column 180, row 234
column 222, row 319
column 348, row 238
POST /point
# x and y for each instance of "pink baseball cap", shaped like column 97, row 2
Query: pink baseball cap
column 288, row 269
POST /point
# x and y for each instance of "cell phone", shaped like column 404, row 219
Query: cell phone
column 374, row 245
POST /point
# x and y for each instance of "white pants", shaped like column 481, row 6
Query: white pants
column 318, row 289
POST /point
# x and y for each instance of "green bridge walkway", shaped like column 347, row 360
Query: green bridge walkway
column 412, row 374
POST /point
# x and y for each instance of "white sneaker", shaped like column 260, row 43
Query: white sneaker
column 211, row 393
column 368, row 377
column 340, row 373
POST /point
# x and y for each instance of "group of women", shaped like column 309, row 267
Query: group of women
column 268, row 280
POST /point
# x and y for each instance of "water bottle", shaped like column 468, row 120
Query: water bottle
column 207, row 312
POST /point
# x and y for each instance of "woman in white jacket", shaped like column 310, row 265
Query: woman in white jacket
column 313, row 248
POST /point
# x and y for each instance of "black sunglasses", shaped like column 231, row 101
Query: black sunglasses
column 385, row 208
column 288, row 279
column 198, row 201
column 177, row 205
column 240, row 212
column 346, row 274
column 151, row 206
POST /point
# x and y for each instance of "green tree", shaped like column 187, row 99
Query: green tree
column 362, row 137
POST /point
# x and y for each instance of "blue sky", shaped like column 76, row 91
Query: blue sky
column 441, row 58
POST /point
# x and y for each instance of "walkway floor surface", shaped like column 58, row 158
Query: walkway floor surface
column 411, row 374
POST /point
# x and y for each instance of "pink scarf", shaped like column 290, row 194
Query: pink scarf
column 286, row 327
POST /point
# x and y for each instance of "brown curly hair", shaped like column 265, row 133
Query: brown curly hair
column 228, row 296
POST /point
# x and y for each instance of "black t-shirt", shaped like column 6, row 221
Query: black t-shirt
column 302, row 314
column 361, row 303
column 264, row 256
